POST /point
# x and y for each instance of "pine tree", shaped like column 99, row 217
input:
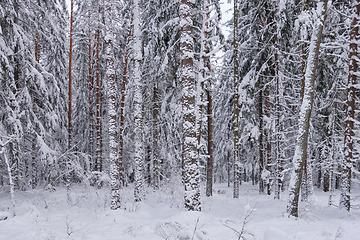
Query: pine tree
column 348, row 161
column 191, row 173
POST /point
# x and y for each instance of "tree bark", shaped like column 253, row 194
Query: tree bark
column 300, row 156
column 91, row 90
column 111, row 86
column 237, row 170
column 191, row 172
column 70, row 64
column 155, row 150
column 268, row 143
column 139, row 151
column 350, row 110
column 261, row 141
column 206, row 78
column 277, row 160
column 122, row 100
column 98, row 161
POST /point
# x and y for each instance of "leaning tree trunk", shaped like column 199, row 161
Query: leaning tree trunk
column 191, row 172
column 350, row 110
column 111, row 86
column 300, row 155
column 139, row 151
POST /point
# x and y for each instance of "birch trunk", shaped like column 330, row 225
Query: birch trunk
column 139, row 192
column 300, row 155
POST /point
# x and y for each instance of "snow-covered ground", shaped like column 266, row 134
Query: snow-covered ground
column 48, row 215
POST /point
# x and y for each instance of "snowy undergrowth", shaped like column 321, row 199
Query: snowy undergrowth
column 48, row 215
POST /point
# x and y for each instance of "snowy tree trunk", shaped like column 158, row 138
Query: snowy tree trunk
column 111, row 88
column 122, row 101
column 191, row 172
column 300, row 155
column 268, row 144
column 210, row 160
column 139, row 151
column 350, row 110
column 70, row 65
column 206, row 78
column 237, row 167
column 278, row 162
column 11, row 181
column 98, row 149
column 34, row 161
column 12, row 188
column 155, row 143
column 91, row 87
column 261, row 141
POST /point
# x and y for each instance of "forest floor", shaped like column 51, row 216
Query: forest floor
column 48, row 215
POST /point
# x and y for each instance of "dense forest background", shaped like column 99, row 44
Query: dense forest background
column 144, row 93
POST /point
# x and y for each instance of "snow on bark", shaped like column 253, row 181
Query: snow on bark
column 138, row 102
column 11, row 181
column 350, row 112
column 300, row 155
column 111, row 86
column 191, row 173
column 237, row 164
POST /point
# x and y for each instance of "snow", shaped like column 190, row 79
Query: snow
column 48, row 215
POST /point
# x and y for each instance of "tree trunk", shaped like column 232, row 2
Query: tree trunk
column 210, row 161
column 91, row 90
column 70, row 64
column 191, row 172
column 139, row 150
column 11, row 181
column 350, row 110
column 300, row 155
column 98, row 110
column 122, row 101
column 237, row 170
column 268, row 144
column 111, row 86
column 155, row 144
column 206, row 78
column 277, row 160
column 261, row 141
